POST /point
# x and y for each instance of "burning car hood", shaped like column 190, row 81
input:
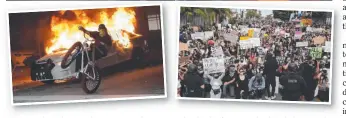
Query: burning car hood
column 55, row 57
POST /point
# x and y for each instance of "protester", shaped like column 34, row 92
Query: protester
column 270, row 69
column 292, row 84
column 193, row 82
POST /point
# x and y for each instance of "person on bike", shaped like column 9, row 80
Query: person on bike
column 292, row 85
column 102, row 40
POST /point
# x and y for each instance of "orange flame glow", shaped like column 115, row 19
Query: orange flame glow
column 66, row 31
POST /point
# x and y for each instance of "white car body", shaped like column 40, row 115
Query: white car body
column 113, row 57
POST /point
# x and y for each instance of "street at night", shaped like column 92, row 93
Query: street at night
column 146, row 81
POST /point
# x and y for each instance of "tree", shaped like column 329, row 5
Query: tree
column 282, row 15
column 251, row 13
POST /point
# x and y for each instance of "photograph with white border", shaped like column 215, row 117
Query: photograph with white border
column 255, row 54
column 85, row 55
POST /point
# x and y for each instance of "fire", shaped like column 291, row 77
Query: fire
column 120, row 24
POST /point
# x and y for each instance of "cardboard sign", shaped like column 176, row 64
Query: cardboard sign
column 316, row 52
column 319, row 40
column 302, row 44
column 183, row 46
column 213, row 65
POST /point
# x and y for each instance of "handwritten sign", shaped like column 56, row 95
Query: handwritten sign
column 217, row 52
column 316, row 52
column 302, row 44
column 213, row 65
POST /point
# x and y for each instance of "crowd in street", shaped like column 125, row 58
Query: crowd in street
column 283, row 61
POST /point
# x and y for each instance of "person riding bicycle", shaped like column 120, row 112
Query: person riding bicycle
column 102, row 40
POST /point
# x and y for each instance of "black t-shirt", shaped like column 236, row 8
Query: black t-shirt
column 306, row 71
column 294, row 85
column 243, row 84
column 228, row 78
column 193, row 81
column 106, row 39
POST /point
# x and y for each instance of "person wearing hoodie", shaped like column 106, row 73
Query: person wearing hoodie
column 257, row 86
column 270, row 69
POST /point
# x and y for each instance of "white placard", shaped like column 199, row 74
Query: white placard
column 327, row 46
column 213, row 65
column 217, row 52
column 250, row 43
column 302, row 44
column 202, row 35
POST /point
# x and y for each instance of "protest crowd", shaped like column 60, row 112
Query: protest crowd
column 261, row 59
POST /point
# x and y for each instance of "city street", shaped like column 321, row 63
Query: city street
column 118, row 82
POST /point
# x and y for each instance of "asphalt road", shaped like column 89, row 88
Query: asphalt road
column 121, row 81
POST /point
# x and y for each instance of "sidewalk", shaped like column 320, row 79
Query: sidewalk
column 21, row 79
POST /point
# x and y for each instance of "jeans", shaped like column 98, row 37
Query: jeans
column 228, row 90
column 270, row 81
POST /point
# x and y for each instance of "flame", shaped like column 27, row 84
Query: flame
column 119, row 23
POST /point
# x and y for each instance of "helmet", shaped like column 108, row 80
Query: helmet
column 292, row 67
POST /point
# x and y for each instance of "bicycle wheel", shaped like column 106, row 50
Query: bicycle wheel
column 71, row 55
column 90, row 85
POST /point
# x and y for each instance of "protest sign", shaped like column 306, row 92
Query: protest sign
column 183, row 46
column 213, row 65
column 327, row 46
column 229, row 61
column 319, row 40
column 280, row 59
column 250, row 32
column 197, row 35
column 217, row 51
column 244, row 38
column 315, row 52
column 250, row 43
column 202, row 35
column 309, row 29
column 287, row 35
column 255, row 42
column 231, row 37
column 317, row 29
column 298, row 35
column 302, row 44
